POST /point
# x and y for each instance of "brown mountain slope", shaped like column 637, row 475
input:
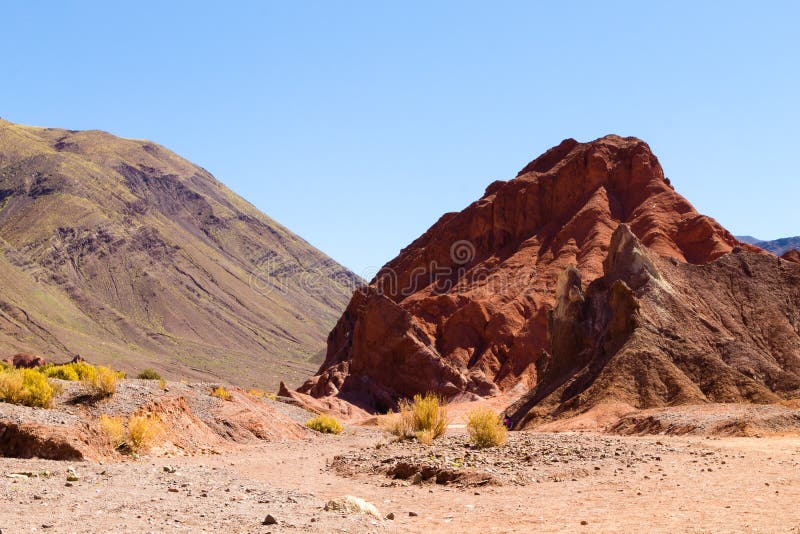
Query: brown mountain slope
column 655, row 332
column 123, row 252
column 464, row 307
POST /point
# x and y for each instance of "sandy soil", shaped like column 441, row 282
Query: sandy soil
column 612, row 483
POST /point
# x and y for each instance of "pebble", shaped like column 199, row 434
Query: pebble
column 390, row 516
column 269, row 520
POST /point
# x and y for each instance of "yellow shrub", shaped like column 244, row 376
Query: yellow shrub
column 138, row 435
column 162, row 384
column 85, row 371
column 143, row 431
column 256, row 392
column 114, row 428
column 103, row 382
column 325, row 424
column 220, row 393
column 486, row 428
column 63, row 372
column 27, row 387
column 424, row 419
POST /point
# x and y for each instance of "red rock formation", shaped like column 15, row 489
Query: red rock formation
column 792, row 255
column 28, row 361
column 655, row 332
column 463, row 309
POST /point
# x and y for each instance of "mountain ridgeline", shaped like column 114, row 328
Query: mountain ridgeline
column 123, row 252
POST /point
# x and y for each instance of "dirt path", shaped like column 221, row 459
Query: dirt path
column 696, row 485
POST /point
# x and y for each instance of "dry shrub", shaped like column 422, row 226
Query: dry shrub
column 424, row 419
column 102, row 383
column 143, row 431
column 114, row 428
column 221, row 393
column 27, row 387
column 260, row 393
column 137, row 435
column 162, row 384
column 486, row 428
column 325, row 424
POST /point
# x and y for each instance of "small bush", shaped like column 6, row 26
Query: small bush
column 162, row 384
column 114, row 428
column 143, row 431
column 255, row 392
column 486, row 428
column 85, row 371
column 138, row 435
column 102, row 383
column 325, row 424
column 424, row 419
column 27, row 387
column 221, row 393
column 149, row 374
column 63, row 372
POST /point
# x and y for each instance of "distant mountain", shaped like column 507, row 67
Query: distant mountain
column 123, row 252
column 776, row 246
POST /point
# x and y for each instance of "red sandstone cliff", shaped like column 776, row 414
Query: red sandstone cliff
column 463, row 309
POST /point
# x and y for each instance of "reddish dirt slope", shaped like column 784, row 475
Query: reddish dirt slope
column 463, row 309
column 655, row 332
column 792, row 255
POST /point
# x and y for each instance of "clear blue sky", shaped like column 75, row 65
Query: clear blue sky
column 357, row 125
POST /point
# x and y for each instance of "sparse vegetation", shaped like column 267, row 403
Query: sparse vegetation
column 27, row 387
column 326, row 424
column 102, row 383
column 114, row 428
column 255, row 392
column 143, row 431
column 486, row 428
column 62, row 372
column 138, row 435
column 424, row 419
column 148, row 374
column 221, row 393
column 162, row 384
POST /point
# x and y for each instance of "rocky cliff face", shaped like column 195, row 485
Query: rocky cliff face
column 464, row 308
column 655, row 332
column 123, row 252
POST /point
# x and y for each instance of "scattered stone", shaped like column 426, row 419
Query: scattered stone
column 390, row 516
column 269, row 520
column 412, row 514
column 351, row 504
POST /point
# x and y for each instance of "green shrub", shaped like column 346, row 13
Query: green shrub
column 424, row 419
column 63, row 372
column 326, row 424
column 149, row 374
column 486, row 428
column 27, row 387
